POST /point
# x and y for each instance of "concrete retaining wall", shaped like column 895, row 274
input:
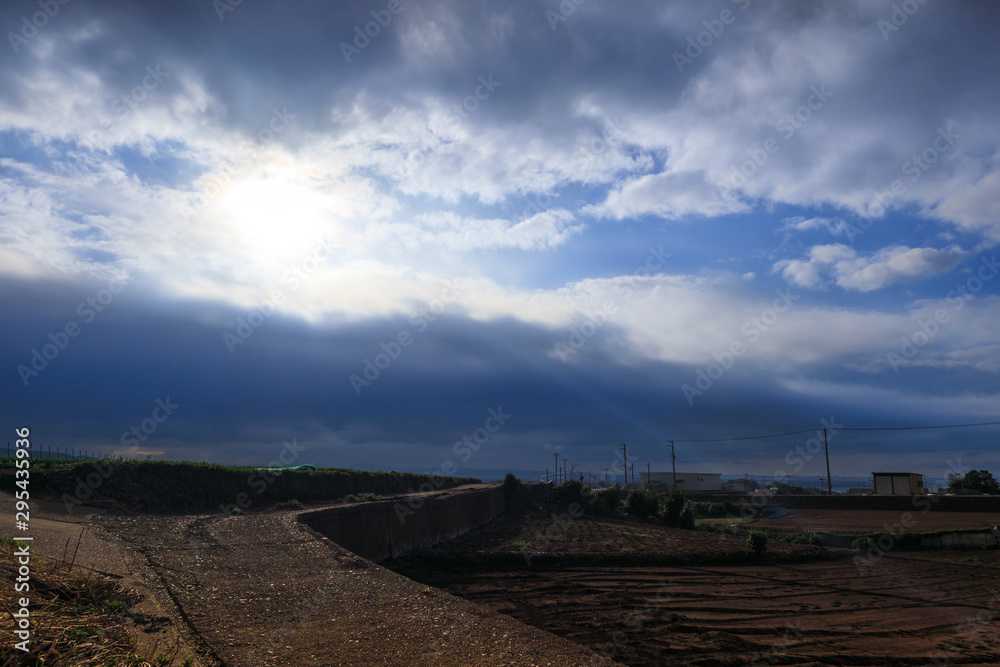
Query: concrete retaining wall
column 378, row 530
column 901, row 503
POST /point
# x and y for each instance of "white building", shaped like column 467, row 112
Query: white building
column 898, row 483
column 686, row 481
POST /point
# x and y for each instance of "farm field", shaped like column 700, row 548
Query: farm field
column 869, row 521
column 645, row 594
column 906, row 610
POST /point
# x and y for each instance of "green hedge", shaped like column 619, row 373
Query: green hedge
column 172, row 486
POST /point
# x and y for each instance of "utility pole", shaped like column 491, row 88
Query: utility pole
column 673, row 463
column 546, row 475
column 829, row 480
column 633, row 474
column 625, row 459
column 649, row 480
column 605, row 476
column 555, row 477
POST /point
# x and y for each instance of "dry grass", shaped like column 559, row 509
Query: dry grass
column 77, row 618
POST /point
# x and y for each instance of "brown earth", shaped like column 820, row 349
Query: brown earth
column 871, row 521
column 264, row 589
column 791, row 607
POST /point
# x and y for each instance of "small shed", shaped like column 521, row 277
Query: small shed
column 898, row 483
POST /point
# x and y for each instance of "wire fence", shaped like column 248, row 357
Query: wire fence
column 63, row 454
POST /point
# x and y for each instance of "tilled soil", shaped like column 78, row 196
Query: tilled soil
column 787, row 608
column 871, row 521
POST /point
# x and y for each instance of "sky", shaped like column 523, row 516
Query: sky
column 453, row 236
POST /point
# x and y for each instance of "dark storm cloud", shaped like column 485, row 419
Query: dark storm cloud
column 289, row 380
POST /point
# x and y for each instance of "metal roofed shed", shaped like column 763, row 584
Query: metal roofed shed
column 898, row 483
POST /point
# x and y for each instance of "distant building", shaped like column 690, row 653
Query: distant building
column 898, row 483
column 686, row 481
column 736, row 486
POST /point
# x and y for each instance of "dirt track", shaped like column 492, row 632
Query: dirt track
column 905, row 610
column 664, row 596
column 870, row 521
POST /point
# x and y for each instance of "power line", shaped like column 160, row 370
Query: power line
column 809, row 430
column 916, row 428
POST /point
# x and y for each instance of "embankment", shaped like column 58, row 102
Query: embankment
column 381, row 529
column 163, row 486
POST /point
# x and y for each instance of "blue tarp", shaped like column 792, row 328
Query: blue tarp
column 773, row 512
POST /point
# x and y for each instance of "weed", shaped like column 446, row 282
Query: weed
column 863, row 544
column 114, row 607
column 756, row 541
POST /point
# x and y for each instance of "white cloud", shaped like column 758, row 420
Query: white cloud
column 849, row 270
column 799, row 223
column 669, row 195
column 975, row 206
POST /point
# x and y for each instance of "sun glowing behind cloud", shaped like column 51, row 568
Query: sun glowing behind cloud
column 279, row 213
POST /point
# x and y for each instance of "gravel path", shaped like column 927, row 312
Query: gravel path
column 263, row 589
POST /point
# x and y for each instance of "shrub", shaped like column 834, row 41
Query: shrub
column 756, row 541
column 570, row 491
column 642, row 503
column 608, row 499
column 686, row 518
column 671, row 513
column 511, row 484
column 814, row 538
column 713, row 510
column 863, row 544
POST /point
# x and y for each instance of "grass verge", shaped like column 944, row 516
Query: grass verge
column 75, row 618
